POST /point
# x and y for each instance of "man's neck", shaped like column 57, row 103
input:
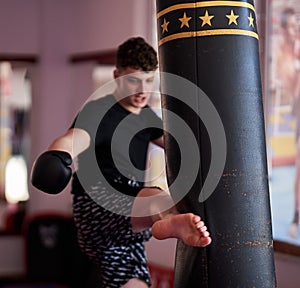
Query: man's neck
column 129, row 108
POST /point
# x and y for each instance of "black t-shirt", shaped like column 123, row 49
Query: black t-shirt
column 119, row 143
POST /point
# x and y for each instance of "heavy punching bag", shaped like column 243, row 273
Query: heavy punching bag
column 210, row 79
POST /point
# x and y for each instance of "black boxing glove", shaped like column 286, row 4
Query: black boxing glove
column 51, row 172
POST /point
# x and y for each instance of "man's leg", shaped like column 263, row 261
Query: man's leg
column 154, row 208
column 135, row 283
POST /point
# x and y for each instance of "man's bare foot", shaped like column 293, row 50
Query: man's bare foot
column 187, row 227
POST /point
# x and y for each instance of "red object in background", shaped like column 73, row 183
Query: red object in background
column 161, row 277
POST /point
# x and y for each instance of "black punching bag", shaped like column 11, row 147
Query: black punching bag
column 210, row 80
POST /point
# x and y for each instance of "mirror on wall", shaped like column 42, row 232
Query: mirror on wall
column 283, row 123
column 15, row 104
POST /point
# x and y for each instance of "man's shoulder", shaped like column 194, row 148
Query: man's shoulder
column 102, row 103
column 104, row 100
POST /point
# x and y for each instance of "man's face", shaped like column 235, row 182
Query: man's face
column 135, row 85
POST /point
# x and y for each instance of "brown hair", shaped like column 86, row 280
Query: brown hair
column 137, row 54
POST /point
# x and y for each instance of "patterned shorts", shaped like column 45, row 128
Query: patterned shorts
column 108, row 240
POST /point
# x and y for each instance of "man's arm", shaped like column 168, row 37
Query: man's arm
column 74, row 142
column 51, row 172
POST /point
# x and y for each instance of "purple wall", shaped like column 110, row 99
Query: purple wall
column 19, row 26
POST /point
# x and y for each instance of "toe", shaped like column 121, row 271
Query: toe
column 205, row 241
column 196, row 219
